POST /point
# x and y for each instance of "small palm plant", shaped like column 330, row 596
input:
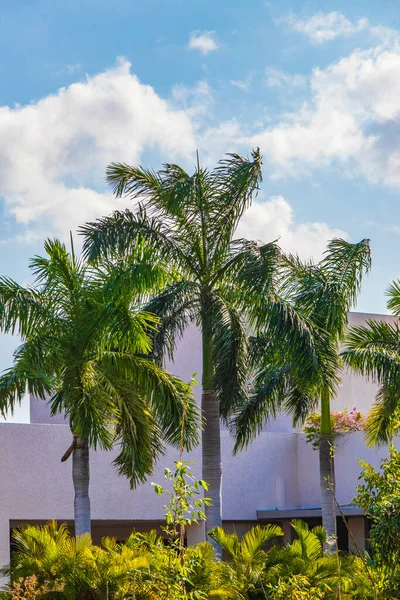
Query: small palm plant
column 70, row 568
column 245, row 570
column 304, row 556
column 85, row 349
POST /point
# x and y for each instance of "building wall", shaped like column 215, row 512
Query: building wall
column 36, row 486
column 278, row 471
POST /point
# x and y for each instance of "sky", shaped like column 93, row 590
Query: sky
column 315, row 85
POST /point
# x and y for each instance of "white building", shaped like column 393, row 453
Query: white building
column 276, row 479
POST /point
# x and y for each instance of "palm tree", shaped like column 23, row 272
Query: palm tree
column 321, row 295
column 85, row 349
column 189, row 221
column 374, row 351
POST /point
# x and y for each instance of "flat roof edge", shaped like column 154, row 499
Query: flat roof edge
column 303, row 513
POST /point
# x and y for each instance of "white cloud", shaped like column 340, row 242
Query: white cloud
column 53, row 153
column 324, row 27
column 352, row 119
column 195, row 100
column 204, row 41
column 215, row 141
column 274, row 218
column 278, row 78
column 242, row 85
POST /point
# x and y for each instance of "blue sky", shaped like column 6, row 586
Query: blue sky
column 315, row 84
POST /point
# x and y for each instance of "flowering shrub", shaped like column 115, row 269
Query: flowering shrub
column 27, row 589
column 342, row 422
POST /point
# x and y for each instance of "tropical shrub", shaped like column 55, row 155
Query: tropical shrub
column 379, row 497
column 27, row 589
column 244, row 572
column 50, row 564
column 68, row 567
column 296, row 587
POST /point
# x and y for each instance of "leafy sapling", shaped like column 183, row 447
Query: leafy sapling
column 186, row 504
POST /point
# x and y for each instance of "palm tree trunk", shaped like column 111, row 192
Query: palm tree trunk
column 327, row 475
column 80, row 477
column 211, row 435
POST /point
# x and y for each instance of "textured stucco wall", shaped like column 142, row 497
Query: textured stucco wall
column 37, row 486
column 350, row 447
column 279, row 470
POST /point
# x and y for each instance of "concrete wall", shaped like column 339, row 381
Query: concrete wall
column 350, row 447
column 36, row 486
column 278, row 471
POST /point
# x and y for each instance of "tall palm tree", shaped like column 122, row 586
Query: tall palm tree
column 374, row 351
column 321, row 296
column 85, row 349
column 189, row 222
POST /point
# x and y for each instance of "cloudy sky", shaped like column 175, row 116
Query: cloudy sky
column 315, row 84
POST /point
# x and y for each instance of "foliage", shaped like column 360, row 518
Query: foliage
column 341, row 422
column 379, row 497
column 182, row 509
column 245, row 570
column 186, row 503
column 185, row 508
column 69, row 568
column 27, row 589
column 188, row 221
column 374, row 351
column 85, row 349
column 52, row 564
column 255, row 571
column 298, row 377
column 296, row 587
column 294, row 377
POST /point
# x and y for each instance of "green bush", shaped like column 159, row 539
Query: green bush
column 50, row 564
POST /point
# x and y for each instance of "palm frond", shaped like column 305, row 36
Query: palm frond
column 236, row 180
column 308, row 543
column 263, row 404
column 169, row 397
column 176, row 306
column 123, row 232
column 393, row 294
column 229, row 542
column 255, row 539
column 374, row 350
column 383, row 420
column 21, row 309
column 299, row 403
column 328, row 291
